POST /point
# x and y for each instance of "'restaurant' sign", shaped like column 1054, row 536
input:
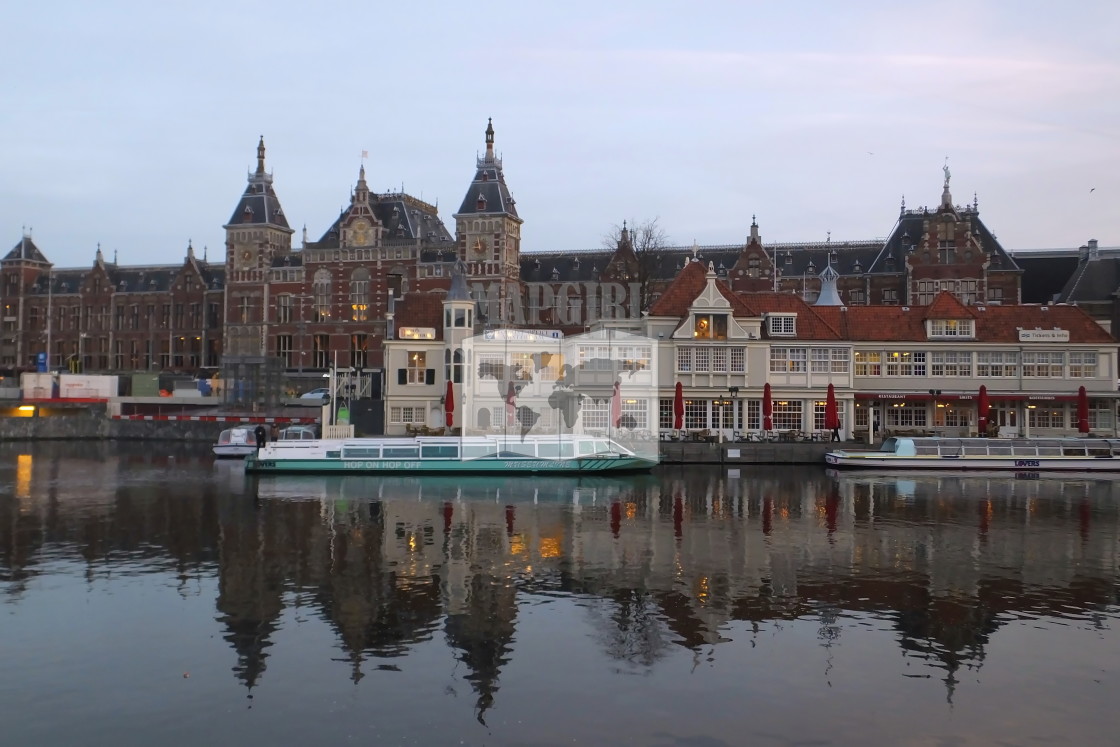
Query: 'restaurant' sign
column 1044, row 335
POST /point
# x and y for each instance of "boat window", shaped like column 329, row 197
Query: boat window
column 601, row 447
column 517, row 448
column 362, row 452
column 1049, row 448
column 548, row 449
column 976, row 448
column 1100, row 450
column 925, row 449
column 400, row 452
column 478, row 451
column 439, row 451
column 1073, row 450
column 1024, row 448
column 890, row 445
column 951, row 447
column 586, row 447
column 999, row 448
column 334, row 454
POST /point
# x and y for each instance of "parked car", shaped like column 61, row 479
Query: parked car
column 322, row 394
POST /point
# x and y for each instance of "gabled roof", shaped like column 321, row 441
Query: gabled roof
column 948, row 306
column 910, row 228
column 403, row 217
column 27, row 250
column 690, row 283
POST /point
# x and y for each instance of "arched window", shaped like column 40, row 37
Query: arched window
column 359, row 295
column 457, row 366
column 322, row 291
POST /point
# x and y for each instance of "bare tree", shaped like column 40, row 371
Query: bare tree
column 641, row 250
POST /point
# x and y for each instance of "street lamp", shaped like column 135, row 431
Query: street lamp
column 934, row 394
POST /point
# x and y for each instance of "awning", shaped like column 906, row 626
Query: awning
column 972, row 396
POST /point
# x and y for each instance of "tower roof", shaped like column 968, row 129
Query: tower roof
column 259, row 204
column 488, row 193
column 26, row 249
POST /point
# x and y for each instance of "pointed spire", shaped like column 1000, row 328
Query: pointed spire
column 114, row 256
column 489, row 139
column 829, row 295
column 260, row 155
column 204, row 250
column 190, row 249
column 99, row 258
column 903, row 210
column 755, row 238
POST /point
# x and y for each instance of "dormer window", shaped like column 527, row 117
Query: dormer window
column 781, row 325
column 709, row 326
column 952, row 328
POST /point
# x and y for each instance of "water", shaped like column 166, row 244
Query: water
column 151, row 596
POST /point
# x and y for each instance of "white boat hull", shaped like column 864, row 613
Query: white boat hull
column 876, row 460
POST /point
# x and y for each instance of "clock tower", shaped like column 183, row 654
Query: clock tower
column 489, row 232
column 257, row 234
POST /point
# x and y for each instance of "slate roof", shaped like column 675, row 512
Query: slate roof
column 130, row 279
column 404, row 218
column 259, row 204
column 489, row 183
column 1093, row 280
column 26, row 249
column 910, row 227
column 1044, row 276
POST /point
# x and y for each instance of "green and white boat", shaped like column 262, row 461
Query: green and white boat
column 468, row 455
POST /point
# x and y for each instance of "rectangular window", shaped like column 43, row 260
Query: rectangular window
column 284, row 349
column 787, row 415
column 684, row 360
column 283, row 309
column 754, row 415
column 359, row 350
column 710, row 326
column 738, row 360
column 951, row 328
column 905, row 363
column 719, row 360
column 856, row 297
column 787, row 360
column 828, row 360
column 665, row 414
column 906, row 415
column 890, row 297
column 417, row 364
column 868, row 363
column 951, row 363
column 701, row 359
column 1043, row 364
column 782, row 325
column 1082, row 365
column 997, row 363
column 1046, row 416
column 696, row 413
column 406, row 415
column 1101, row 415
column 321, row 350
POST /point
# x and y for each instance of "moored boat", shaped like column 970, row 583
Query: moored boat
column 450, row 455
column 235, row 443
column 1018, row 454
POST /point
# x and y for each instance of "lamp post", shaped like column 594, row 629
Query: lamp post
column 721, row 403
column 934, row 394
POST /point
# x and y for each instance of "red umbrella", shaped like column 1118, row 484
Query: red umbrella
column 678, row 407
column 616, row 405
column 449, row 405
column 831, row 415
column 1082, row 410
column 982, row 408
column 767, row 408
column 511, row 405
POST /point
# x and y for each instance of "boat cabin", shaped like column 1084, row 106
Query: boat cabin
column 1002, row 447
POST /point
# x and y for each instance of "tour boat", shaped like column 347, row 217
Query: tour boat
column 450, row 455
column 1019, row 454
column 235, row 442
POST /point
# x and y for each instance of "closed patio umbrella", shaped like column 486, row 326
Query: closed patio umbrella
column 678, row 407
column 982, row 409
column 616, row 405
column 831, row 412
column 449, row 405
column 511, row 404
column 1082, row 410
column 767, row 408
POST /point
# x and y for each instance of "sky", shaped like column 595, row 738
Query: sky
column 133, row 125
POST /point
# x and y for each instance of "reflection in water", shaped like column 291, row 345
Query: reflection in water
column 657, row 564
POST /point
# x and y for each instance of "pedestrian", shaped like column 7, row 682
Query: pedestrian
column 876, row 432
column 275, row 432
column 836, row 431
column 261, row 435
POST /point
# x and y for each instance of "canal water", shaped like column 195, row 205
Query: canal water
column 149, row 595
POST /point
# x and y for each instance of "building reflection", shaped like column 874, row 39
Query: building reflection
column 680, row 559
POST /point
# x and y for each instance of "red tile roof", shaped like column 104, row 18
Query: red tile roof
column 810, row 324
column 686, row 286
column 948, row 306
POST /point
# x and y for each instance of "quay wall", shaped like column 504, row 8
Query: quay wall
column 92, row 423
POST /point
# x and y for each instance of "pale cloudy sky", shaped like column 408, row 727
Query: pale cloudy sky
column 133, row 124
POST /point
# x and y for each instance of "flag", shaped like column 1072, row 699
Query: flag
column 365, row 154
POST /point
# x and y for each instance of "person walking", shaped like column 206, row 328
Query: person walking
column 261, row 436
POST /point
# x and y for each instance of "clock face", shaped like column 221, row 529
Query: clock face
column 480, row 246
column 359, row 233
column 246, row 256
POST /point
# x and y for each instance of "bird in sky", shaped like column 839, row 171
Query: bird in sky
column 1092, row 190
